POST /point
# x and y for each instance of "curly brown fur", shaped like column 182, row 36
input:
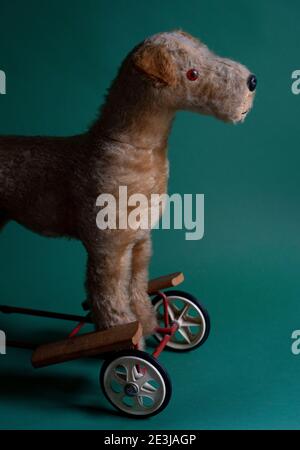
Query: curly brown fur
column 50, row 184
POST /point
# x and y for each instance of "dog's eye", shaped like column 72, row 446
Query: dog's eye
column 192, row 74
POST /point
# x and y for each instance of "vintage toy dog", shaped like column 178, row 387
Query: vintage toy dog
column 50, row 184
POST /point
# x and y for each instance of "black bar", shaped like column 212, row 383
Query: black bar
column 142, row 439
column 36, row 312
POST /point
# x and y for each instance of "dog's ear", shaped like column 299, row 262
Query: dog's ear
column 156, row 63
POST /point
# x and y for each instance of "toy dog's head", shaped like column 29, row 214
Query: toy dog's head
column 182, row 73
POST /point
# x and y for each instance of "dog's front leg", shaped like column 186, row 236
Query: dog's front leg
column 108, row 276
column 140, row 301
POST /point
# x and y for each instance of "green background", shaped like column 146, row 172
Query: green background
column 59, row 57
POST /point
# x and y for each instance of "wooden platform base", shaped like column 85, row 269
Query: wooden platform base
column 90, row 344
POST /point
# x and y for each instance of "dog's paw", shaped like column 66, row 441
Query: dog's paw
column 141, row 344
column 144, row 311
column 104, row 318
column 149, row 323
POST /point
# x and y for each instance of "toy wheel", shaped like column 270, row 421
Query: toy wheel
column 192, row 319
column 135, row 383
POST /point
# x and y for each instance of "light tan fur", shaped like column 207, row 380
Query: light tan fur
column 50, row 185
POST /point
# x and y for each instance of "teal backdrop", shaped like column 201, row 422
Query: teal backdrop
column 59, row 57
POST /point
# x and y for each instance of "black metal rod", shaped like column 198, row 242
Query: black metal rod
column 36, row 312
column 21, row 344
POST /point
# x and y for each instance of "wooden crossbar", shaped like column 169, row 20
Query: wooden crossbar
column 120, row 337
column 164, row 282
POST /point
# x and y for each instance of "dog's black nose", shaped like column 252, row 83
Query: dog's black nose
column 252, row 82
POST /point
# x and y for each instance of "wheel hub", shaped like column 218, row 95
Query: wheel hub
column 131, row 389
column 189, row 318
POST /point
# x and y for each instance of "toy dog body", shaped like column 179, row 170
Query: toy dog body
column 50, row 185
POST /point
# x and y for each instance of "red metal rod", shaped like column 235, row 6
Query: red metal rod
column 165, row 305
column 164, row 330
column 161, row 346
column 164, row 341
column 76, row 329
column 79, row 325
column 167, row 330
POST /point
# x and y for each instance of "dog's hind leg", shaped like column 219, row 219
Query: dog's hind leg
column 108, row 277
